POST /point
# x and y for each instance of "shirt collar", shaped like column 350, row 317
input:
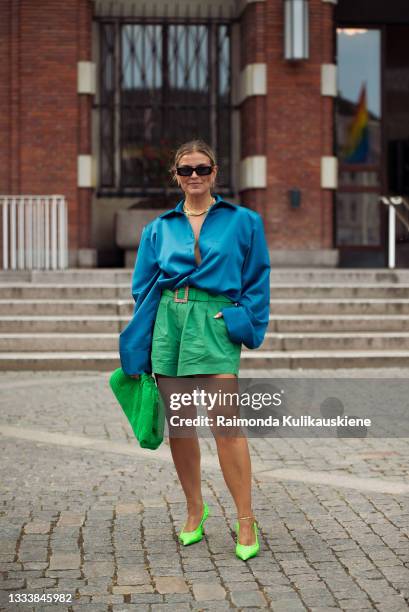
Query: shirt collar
column 179, row 206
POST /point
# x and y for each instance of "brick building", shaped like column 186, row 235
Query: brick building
column 305, row 101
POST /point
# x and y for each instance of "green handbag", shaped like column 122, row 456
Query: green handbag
column 142, row 404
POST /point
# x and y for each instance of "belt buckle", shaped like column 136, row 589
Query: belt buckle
column 185, row 296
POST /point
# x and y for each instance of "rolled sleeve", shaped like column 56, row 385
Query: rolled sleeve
column 247, row 322
column 135, row 341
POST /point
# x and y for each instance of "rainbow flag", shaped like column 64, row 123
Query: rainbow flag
column 356, row 148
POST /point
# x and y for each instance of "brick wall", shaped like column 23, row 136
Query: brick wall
column 292, row 126
column 5, row 96
column 44, row 122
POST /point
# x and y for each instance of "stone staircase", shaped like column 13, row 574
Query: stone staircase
column 319, row 318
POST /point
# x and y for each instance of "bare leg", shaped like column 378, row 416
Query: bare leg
column 235, row 463
column 186, row 457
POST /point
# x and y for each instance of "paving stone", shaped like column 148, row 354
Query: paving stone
column 148, row 598
column 37, row 527
column 211, row 606
column 170, row 584
column 12, row 584
column 100, row 518
column 132, row 588
column 15, row 575
column 126, row 607
column 38, row 583
column 71, row 519
column 89, row 589
column 242, row 585
column 89, row 607
column 98, row 568
column 164, row 607
column 286, row 605
column 178, row 598
column 49, row 608
column 69, row 584
column 62, row 561
column 177, row 571
column 72, row 574
column 11, row 567
column 280, row 589
column 208, row 591
column 124, row 509
column 108, row 599
column 248, row 598
column 133, row 576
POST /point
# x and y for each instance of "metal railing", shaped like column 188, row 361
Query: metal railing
column 393, row 202
column 35, row 232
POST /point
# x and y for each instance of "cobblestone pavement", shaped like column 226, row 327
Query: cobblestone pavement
column 86, row 513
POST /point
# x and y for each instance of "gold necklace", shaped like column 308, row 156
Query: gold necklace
column 191, row 213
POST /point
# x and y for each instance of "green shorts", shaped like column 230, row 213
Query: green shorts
column 188, row 340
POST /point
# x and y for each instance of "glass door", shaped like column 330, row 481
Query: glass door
column 358, row 146
column 396, row 128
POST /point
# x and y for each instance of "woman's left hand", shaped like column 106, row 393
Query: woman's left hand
column 218, row 315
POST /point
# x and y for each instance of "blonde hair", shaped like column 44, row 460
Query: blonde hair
column 192, row 146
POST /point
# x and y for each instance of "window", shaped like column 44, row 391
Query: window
column 161, row 83
column 358, row 137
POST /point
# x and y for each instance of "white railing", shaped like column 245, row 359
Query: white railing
column 35, row 232
column 393, row 202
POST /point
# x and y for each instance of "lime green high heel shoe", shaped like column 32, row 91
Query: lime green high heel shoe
column 190, row 537
column 244, row 551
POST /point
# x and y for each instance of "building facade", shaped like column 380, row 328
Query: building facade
column 304, row 101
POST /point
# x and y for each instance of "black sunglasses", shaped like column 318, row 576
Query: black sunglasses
column 188, row 170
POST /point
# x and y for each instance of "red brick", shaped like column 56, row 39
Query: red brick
column 45, row 123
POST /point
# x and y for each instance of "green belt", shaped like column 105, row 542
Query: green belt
column 184, row 294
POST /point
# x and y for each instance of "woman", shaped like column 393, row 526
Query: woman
column 201, row 289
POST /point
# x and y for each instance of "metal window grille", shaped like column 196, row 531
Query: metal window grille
column 162, row 81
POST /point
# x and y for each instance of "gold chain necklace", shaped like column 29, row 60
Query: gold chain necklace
column 191, row 213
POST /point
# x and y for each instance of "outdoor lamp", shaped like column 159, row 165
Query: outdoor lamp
column 295, row 198
column 296, row 29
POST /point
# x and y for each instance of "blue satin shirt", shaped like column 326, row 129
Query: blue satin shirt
column 234, row 262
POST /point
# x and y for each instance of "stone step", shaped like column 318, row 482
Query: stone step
column 338, row 323
column 43, row 291
column 283, row 275
column 84, row 276
column 67, row 342
column 63, row 324
column 277, row 306
column 32, row 291
column 347, row 276
column 108, row 361
column 49, row 342
column 277, row 323
column 335, row 341
column 291, row 291
column 66, row 307
column 319, row 318
column 324, row 359
column 325, row 306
